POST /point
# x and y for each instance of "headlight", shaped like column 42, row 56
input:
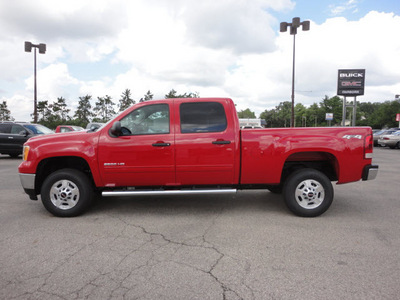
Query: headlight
column 25, row 153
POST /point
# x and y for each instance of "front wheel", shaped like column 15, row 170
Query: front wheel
column 308, row 193
column 67, row 193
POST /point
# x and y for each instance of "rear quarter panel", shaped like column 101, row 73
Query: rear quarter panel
column 265, row 151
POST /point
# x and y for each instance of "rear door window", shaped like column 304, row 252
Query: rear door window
column 200, row 117
column 5, row 128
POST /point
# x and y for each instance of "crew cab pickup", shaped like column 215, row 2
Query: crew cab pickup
column 193, row 146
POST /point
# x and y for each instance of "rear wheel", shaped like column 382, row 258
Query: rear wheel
column 308, row 193
column 67, row 193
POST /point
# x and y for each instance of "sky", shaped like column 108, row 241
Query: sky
column 225, row 48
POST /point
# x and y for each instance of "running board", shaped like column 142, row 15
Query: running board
column 166, row 192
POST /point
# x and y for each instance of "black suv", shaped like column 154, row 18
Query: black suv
column 13, row 135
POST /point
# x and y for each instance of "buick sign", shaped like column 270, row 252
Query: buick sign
column 351, row 82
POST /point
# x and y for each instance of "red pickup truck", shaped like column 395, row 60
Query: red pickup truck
column 193, row 146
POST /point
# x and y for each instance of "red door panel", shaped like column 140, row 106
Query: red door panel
column 145, row 155
column 205, row 144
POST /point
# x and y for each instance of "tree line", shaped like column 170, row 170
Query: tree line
column 53, row 114
column 377, row 115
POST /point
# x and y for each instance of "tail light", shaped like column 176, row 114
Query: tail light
column 368, row 146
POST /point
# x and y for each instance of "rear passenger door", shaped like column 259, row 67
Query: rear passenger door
column 204, row 143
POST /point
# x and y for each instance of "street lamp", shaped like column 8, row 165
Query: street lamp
column 42, row 50
column 305, row 25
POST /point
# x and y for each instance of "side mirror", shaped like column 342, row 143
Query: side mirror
column 115, row 129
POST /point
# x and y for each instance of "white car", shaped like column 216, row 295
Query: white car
column 390, row 140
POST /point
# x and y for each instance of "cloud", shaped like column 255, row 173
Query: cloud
column 54, row 20
column 350, row 5
column 227, row 48
column 241, row 27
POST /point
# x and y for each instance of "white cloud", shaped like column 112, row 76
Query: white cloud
column 222, row 48
column 53, row 81
column 350, row 5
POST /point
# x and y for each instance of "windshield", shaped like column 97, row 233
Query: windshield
column 38, row 129
column 379, row 132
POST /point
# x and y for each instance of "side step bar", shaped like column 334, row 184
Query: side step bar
column 167, row 192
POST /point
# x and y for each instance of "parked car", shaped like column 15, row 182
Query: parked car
column 94, row 126
column 68, row 128
column 382, row 132
column 391, row 140
column 14, row 134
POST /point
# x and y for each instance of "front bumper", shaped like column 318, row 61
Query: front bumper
column 370, row 172
column 28, row 184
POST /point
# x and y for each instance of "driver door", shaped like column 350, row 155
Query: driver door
column 144, row 155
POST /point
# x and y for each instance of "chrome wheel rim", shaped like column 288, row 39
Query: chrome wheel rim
column 310, row 194
column 64, row 194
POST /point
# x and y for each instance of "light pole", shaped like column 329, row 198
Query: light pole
column 42, row 50
column 293, row 31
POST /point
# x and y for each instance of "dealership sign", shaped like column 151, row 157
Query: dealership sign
column 351, row 82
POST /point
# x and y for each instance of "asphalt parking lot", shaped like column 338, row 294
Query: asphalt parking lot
column 247, row 246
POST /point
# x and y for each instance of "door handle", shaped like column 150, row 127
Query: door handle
column 161, row 144
column 221, row 142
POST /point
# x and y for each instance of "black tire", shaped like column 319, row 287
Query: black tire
column 308, row 193
column 67, row 193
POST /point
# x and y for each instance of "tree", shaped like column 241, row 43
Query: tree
column 270, row 117
column 126, row 100
column 59, row 110
column 5, row 114
column 148, row 96
column 315, row 115
column 43, row 111
column 104, row 109
column 300, row 115
column 333, row 105
column 83, row 113
column 385, row 115
column 173, row 94
column 246, row 114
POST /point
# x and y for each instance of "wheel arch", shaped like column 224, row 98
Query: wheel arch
column 50, row 165
column 324, row 162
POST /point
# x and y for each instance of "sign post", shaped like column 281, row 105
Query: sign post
column 350, row 83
